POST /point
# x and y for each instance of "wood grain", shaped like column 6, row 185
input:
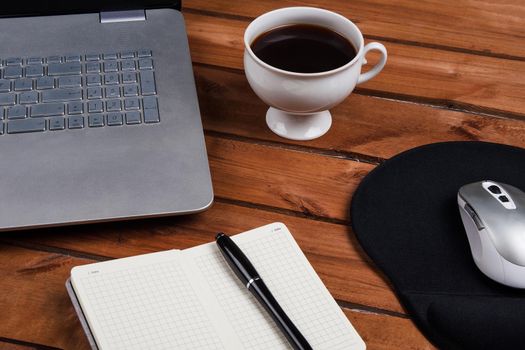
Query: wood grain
column 34, row 302
column 486, row 27
column 331, row 248
column 413, row 73
column 288, row 179
column 362, row 125
column 37, row 293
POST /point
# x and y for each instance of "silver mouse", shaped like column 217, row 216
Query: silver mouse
column 494, row 218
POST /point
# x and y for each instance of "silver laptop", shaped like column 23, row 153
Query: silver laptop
column 100, row 119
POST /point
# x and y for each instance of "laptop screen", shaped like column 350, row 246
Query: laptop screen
column 52, row 7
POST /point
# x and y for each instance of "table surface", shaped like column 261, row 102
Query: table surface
column 455, row 71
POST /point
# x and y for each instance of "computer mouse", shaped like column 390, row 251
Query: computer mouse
column 494, row 218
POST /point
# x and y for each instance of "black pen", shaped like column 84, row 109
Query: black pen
column 244, row 269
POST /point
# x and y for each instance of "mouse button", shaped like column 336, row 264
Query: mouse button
column 494, row 189
column 472, row 213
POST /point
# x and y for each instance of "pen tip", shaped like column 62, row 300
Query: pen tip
column 219, row 235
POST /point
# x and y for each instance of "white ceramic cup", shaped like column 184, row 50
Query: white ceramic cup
column 300, row 101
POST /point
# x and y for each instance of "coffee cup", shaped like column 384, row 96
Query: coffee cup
column 300, row 102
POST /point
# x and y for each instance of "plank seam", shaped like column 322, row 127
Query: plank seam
column 369, row 309
column 28, row 344
column 344, row 155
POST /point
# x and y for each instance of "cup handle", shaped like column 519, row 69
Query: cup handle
column 378, row 67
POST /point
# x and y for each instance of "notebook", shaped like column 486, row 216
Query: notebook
column 190, row 299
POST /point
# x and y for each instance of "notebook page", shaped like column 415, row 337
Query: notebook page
column 145, row 302
column 293, row 282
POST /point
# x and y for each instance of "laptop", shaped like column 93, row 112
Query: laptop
column 100, row 118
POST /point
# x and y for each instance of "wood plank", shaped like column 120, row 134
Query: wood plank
column 488, row 27
column 308, row 183
column 34, row 302
column 366, row 125
column 33, row 289
column 331, row 248
column 486, row 84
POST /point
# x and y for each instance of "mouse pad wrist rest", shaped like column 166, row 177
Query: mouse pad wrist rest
column 405, row 216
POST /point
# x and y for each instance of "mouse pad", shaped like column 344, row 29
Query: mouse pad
column 405, row 215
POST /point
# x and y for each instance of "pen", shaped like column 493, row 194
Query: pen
column 242, row 267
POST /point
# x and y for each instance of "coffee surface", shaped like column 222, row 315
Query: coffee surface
column 303, row 48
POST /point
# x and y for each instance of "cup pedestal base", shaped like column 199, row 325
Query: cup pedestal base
column 298, row 127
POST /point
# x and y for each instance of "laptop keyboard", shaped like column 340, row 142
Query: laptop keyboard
column 57, row 93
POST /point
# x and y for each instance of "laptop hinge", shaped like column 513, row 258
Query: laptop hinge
column 122, row 16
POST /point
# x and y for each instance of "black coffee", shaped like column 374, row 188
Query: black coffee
column 303, row 48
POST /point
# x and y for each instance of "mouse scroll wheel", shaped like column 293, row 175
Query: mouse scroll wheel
column 474, row 217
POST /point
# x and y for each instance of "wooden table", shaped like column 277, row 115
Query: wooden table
column 455, row 72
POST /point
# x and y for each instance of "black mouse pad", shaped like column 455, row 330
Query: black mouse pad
column 406, row 217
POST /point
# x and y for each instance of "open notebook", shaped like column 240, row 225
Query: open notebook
column 190, row 299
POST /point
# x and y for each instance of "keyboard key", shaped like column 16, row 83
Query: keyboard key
column 92, row 67
column 145, row 63
column 144, row 53
column 129, row 77
column 76, row 122
column 16, row 112
column 131, row 90
column 110, row 66
column 12, row 72
column 70, row 94
column 47, row 110
column 150, row 102
column 133, row 117
column 28, row 97
column 92, row 57
column 34, row 60
column 7, row 99
column 151, row 116
column 127, row 54
column 75, row 108
column 5, row 85
column 96, row 120
column 26, row 125
column 1, row 128
column 112, row 92
column 114, row 119
column 54, row 59
column 45, row 83
column 94, row 93
column 128, row 65
column 93, row 80
column 147, row 83
column 57, row 123
column 131, row 104
column 113, row 105
column 73, row 58
column 13, row 61
column 23, row 84
column 68, row 68
column 111, row 79
column 96, row 106
column 35, row 70
column 70, row 81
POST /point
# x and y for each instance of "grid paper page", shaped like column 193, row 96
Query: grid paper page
column 148, row 304
column 293, row 282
